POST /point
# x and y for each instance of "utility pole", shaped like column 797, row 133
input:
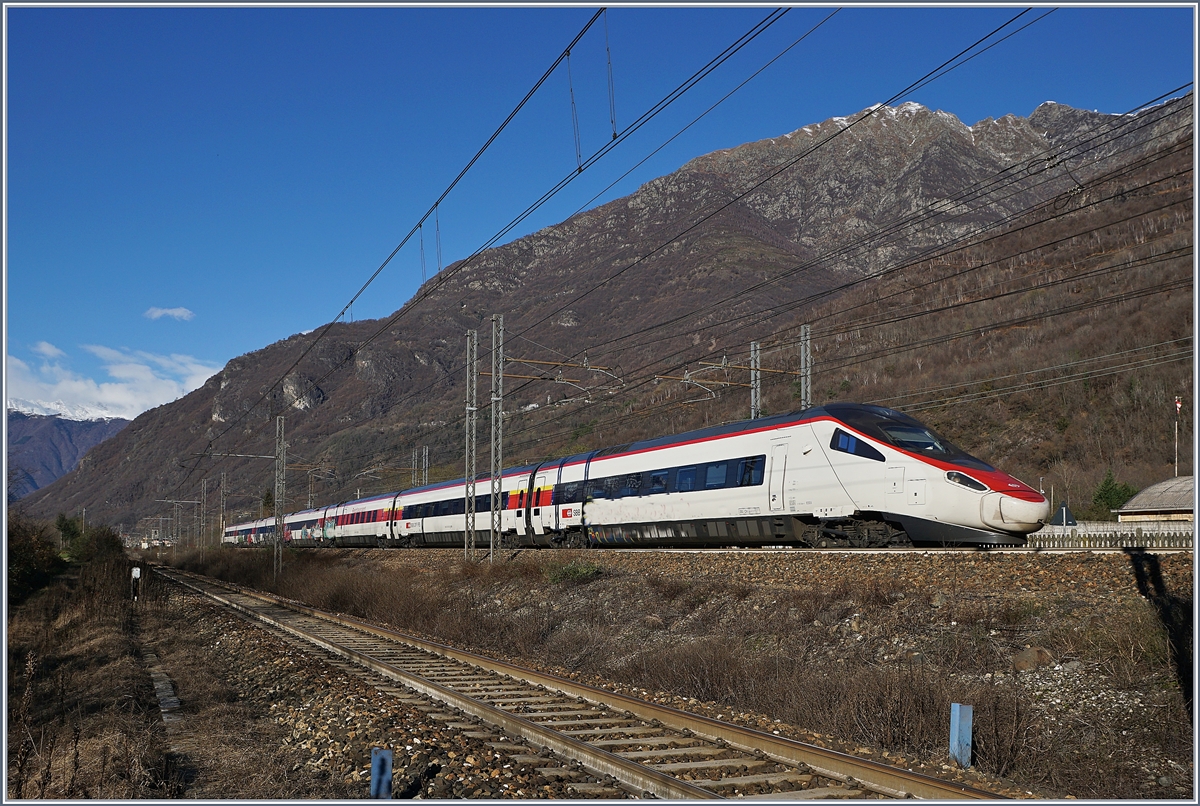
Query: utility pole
column 414, row 468
column 203, row 506
column 755, row 383
column 1178, row 407
column 424, row 465
column 497, row 499
column 280, row 491
column 469, row 450
column 222, row 504
column 176, row 520
column 805, row 367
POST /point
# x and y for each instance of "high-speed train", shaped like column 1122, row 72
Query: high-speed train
column 841, row 474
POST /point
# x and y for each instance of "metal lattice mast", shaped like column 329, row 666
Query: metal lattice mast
column 280, row 492
column 755, row 383
column 497, row 498
column 469, row 450
column 805, row 367
column 203, row 506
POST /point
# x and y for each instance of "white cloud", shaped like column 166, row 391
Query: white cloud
column 174, row 313
column 137, row 381
column 47, row 350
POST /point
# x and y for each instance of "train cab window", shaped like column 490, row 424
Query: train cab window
column 714, row 475
column 750, row 471
column 685, row 479
column 658, row 482
column 913, row 438
column 848, row 443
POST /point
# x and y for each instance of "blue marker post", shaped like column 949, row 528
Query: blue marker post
column 961, row 717
column 381, row 773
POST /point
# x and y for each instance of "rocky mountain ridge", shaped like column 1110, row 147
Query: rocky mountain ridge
column 678, row 272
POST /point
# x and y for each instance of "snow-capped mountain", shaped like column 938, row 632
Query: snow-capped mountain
column 68, row 411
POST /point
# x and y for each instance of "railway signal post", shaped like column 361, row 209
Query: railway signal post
column 497, row 499
column 469, row 470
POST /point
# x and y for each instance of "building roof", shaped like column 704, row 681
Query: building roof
column 1170, row 495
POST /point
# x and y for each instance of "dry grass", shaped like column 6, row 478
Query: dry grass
column 829, row 656
column 87, row 722
column 84, row 721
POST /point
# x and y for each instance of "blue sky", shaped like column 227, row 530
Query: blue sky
column 185, row 185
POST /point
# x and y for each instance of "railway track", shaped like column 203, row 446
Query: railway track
column 627, row 746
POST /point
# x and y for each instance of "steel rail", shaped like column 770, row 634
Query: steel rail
column 594, row 759
column 881, row 778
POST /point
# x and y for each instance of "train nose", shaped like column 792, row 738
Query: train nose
column 1011, row 514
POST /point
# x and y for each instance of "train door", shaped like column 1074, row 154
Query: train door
column 518, row 497
column 555, row 509
column 916, row 492
column 328, row 525
column 893, row 485
column 779, row 453
column 393, row 517
column 540, row 505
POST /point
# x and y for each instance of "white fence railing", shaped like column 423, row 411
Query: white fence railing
column 1107, row 535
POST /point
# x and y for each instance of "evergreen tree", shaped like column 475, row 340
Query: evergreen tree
column 1110, row 495
column 69, row 528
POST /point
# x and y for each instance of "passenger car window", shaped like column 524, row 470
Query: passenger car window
column 685, row 480
column 658, row 481
column 750, row 471
column 714, row 476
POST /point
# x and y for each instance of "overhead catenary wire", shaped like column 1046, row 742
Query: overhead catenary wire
column 574, row 115
column 418, row 227
column 968, row 240
column 845, row 251
column 745, row 39
column 755, row 184
column 1179, row 284
column 1161, row 96
column 906, row 264
column 612, row 96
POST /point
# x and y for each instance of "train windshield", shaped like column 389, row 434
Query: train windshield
column 905, row 432
column 919, row 439
column 914, row 438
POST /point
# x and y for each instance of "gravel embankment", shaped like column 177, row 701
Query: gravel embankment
column 331, row 720
column 331, row 717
